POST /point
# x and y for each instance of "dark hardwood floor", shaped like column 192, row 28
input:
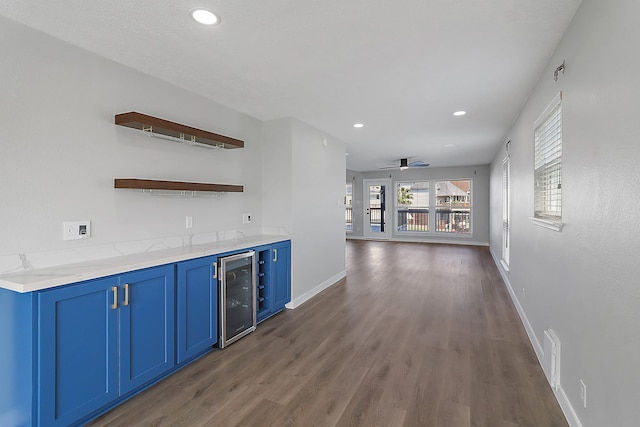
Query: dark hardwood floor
column 416, row 335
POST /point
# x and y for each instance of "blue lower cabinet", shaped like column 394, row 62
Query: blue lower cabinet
column 147, row 319
column 77, row 352
column 197, row 304
column 101, row 339
column 273, row 279
column 93, row 344
column 281, row 275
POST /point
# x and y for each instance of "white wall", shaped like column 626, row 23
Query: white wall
column 583, row 281
column 304, row 195
column 277, row 161
column 318, row 259
column 60, row 151
column 479, row 175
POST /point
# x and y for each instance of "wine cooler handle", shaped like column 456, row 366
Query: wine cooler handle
column 115, row 297
column 275, row 255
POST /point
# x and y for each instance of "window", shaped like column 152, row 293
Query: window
column 415, row 201
column 506, row 211
column 548, row 163
column 453, row 206
column 348, row 204
column 412, row 206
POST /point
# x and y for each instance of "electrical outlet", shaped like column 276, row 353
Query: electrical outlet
column 583, row 393
column 189, row 222
column 247, row 218
column 74, row 230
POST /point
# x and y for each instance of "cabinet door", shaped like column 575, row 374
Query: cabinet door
column 281, row 275
column 197, row 306
column 147, row 318
column 77, row 351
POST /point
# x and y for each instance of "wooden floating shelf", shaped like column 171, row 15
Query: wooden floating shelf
column 153, row 184
column 154, row 126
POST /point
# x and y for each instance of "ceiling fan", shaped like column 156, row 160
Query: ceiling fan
column 404, row 164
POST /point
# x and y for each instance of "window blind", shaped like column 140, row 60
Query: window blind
column 548, row 163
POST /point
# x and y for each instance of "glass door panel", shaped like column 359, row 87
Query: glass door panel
column 238, row 297
column 375, row 216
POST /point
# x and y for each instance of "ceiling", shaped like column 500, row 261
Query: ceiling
column 399, row 67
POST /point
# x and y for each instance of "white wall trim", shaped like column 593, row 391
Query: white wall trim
column 444, row 242
column 561, row 396
column 349, row 237
column 523, row 317
column 567, row 408
column 315, row 291
column 409, row 240
column 551, row 225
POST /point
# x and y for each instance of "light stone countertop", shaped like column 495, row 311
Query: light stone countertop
column 46, row 278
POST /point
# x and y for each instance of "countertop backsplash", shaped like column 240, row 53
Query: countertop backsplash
column 25, row 262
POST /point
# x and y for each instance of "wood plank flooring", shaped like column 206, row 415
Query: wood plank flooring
column 416, row 335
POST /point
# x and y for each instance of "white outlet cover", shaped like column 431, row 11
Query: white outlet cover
column 76, row 230
column 247, row 218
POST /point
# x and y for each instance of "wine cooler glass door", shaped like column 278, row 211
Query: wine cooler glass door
column 238, row 297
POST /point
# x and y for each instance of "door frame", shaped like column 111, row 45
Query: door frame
column 388, row 207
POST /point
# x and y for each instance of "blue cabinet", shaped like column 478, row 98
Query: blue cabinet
column 101, row 339
column 77, row 352
column 274, row 278
column 74, row 351
column 147, row 319
column 197, row 305
column 281, row 275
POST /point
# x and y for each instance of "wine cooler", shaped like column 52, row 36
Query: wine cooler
column 237, row 297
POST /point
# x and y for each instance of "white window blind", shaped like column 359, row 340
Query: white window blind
column 548, row 163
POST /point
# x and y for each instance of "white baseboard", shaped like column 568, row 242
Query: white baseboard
column 459, row 241
column 315, row 291
column 350, row 237
column 561, row 396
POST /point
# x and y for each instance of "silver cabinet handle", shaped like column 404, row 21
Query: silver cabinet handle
column 275, row 255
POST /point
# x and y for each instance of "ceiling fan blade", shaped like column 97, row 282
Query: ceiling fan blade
column 418, row 164
column 404, row 164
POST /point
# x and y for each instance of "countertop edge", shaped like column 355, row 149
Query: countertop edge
column 118, row 265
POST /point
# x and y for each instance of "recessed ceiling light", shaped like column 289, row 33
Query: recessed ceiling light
column 448, row 145
column 358, row 125
column 204, row 16
column 460, row 113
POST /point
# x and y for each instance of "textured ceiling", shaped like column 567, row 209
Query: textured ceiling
column 400, row 67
